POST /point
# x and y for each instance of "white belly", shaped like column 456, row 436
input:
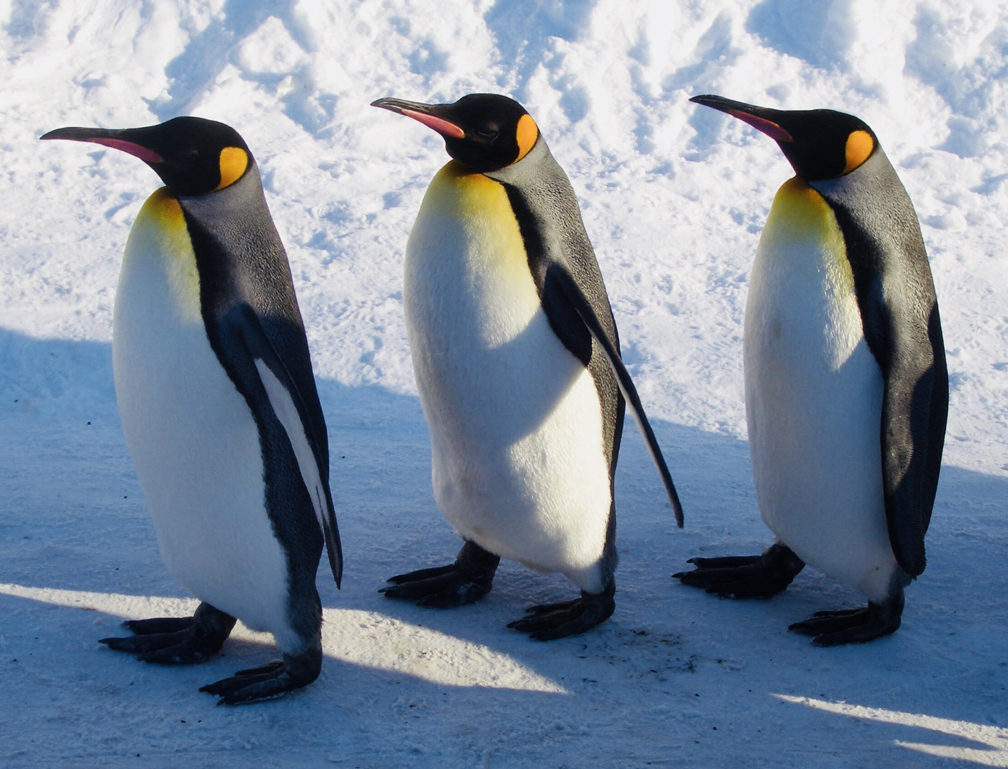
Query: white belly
column 515, row 419
column 814, row 398
column 191, row 435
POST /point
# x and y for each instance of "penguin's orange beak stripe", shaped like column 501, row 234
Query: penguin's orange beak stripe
column 443, row 127
column 768, row 127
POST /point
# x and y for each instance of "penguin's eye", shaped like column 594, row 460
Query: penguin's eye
column 188, row 155
column 487, row 134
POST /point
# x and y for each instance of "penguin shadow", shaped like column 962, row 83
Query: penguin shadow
column 962, row 740
column 381, row 483
column 665, row 638
column 72, row 519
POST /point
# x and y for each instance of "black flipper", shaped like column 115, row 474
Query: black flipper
column 244, row 337
column 560, row 281
column 750, row 576
column 174, row 640
column 899, row 313
column 445, row 587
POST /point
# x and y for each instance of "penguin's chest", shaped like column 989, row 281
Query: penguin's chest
column 814, row 396
column 191, row 434
column 515, row 418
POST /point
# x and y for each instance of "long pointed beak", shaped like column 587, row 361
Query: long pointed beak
column 108, row 138
column 423, row 113
column 761, row 118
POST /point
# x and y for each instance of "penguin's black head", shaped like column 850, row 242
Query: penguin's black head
column 482, row 131
column 819, row 143
column 192, row 156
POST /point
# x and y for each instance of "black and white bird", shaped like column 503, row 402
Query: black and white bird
column 846, row 384
column 219, row 407
column 517, row 363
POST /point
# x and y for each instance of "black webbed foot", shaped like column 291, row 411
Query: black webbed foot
column 176, row 641
column 269, row 681
column 753, row 576
column 445, row 587
column 158, row 626
column 559, row 620
column 833, row 628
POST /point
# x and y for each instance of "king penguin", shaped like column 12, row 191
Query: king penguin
column 846, row 385
column 219, row 408
column 518, row 368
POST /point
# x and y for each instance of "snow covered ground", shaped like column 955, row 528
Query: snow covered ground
column 674, row 198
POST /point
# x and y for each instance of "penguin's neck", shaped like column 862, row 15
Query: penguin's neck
column 239, row 253
column 242, row 199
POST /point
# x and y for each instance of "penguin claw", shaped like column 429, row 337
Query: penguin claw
column 751, row 576
column 834, row 628
column 175, row 640
column 836, row 613
column 268, row 682
column 549, row 608
column 724, row 562
column 422, row 574
column 449, row 599
column 549, row 622
column 158, row 626
column 184, row 653
column 275, row 665
column 163, row 648
column 443, row 587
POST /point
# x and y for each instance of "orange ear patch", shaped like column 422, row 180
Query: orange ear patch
column 233, row 162
column 859, row 146
column 526, row 135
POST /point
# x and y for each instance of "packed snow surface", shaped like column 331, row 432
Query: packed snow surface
column 674, row 197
